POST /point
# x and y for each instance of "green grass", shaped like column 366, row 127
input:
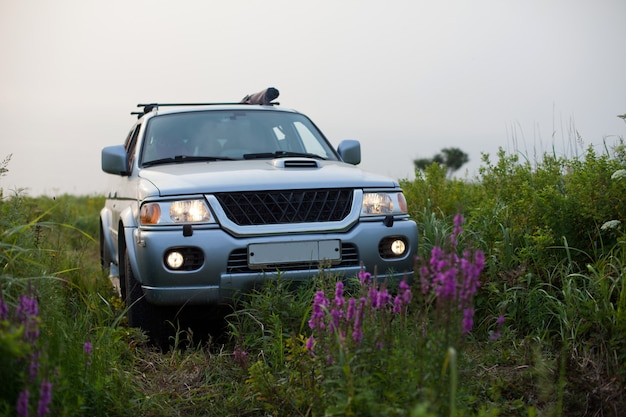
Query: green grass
column 548, row 335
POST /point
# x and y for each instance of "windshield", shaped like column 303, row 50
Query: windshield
column 232, row 134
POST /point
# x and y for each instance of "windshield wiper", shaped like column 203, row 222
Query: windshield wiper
column 280, row 154
column 185, row 158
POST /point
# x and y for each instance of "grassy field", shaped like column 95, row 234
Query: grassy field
column 517, row 308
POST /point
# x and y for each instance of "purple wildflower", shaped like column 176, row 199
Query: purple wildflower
column 33, row 366
column 436, row 261
column 383, row 298
column 320, row 304
column 468, row 320
column 479, row 262
column 397, row 304
column 336, row 316
column 357, row 333
column 407, row 295
column 470, row 284
column 424, row 282
column 496, row 335
column 27, row 308
column 458, row 228
column 88, row 348
column 310, row 344
column 45, row 396
column 26, row 312
column 453, row 280
column 351, row 309
column 372, row 295
column 22, row 403
column 4, row 309
column 364, row 276
column 339, row 300
column 446, row 284
column 241, row 357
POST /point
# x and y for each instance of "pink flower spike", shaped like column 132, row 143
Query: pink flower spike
column 364, row 277
column 339, row 300
column 468, row 320
column 4, row 310
column 45, row 396
column 397, row 305
column 22, row 403
column 351, row 309
column 458, row 223
column 310, row 344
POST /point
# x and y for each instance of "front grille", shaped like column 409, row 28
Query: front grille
column 286, row 207
column 238, row 261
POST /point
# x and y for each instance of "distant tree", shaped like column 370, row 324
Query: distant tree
column 452, row 158
column 4, row 170
column 3, row 165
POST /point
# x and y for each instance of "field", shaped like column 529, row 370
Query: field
column 518, row 308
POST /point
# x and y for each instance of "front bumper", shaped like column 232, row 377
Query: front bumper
column 215, row 281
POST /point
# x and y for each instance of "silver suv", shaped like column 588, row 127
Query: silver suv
column 207, row 200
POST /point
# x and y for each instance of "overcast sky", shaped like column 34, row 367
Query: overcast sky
column 406, row 78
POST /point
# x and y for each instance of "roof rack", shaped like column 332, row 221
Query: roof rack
column 263, row 97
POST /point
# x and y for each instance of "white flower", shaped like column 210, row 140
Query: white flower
column 619, row 174
column 610, row 225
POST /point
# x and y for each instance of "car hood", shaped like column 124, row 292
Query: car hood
column 283, row 173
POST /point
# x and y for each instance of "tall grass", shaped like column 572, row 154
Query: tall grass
column 61, row 338
column 543, row 334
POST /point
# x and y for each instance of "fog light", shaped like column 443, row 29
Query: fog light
column 398, row 247
column 393, row 247
column 174, row 260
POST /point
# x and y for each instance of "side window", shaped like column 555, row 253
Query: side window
column 131, row 146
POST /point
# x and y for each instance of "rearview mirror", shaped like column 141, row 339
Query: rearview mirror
column 350, row 151
column 114, row 160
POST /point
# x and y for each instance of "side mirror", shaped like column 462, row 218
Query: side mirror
column 350, row 151
column 114, row 160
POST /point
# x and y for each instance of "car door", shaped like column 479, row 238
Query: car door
column 121, row 193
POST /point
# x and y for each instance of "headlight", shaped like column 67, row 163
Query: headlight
column 183, row 211
column 375, row 204
column 189, row 211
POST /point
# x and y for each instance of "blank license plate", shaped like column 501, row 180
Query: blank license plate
column 293, row 252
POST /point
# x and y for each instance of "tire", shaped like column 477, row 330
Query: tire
column 155, row 321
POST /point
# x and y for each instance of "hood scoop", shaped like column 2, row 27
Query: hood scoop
column 295, row 163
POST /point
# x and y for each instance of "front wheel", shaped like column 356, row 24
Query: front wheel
column 156, row 321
